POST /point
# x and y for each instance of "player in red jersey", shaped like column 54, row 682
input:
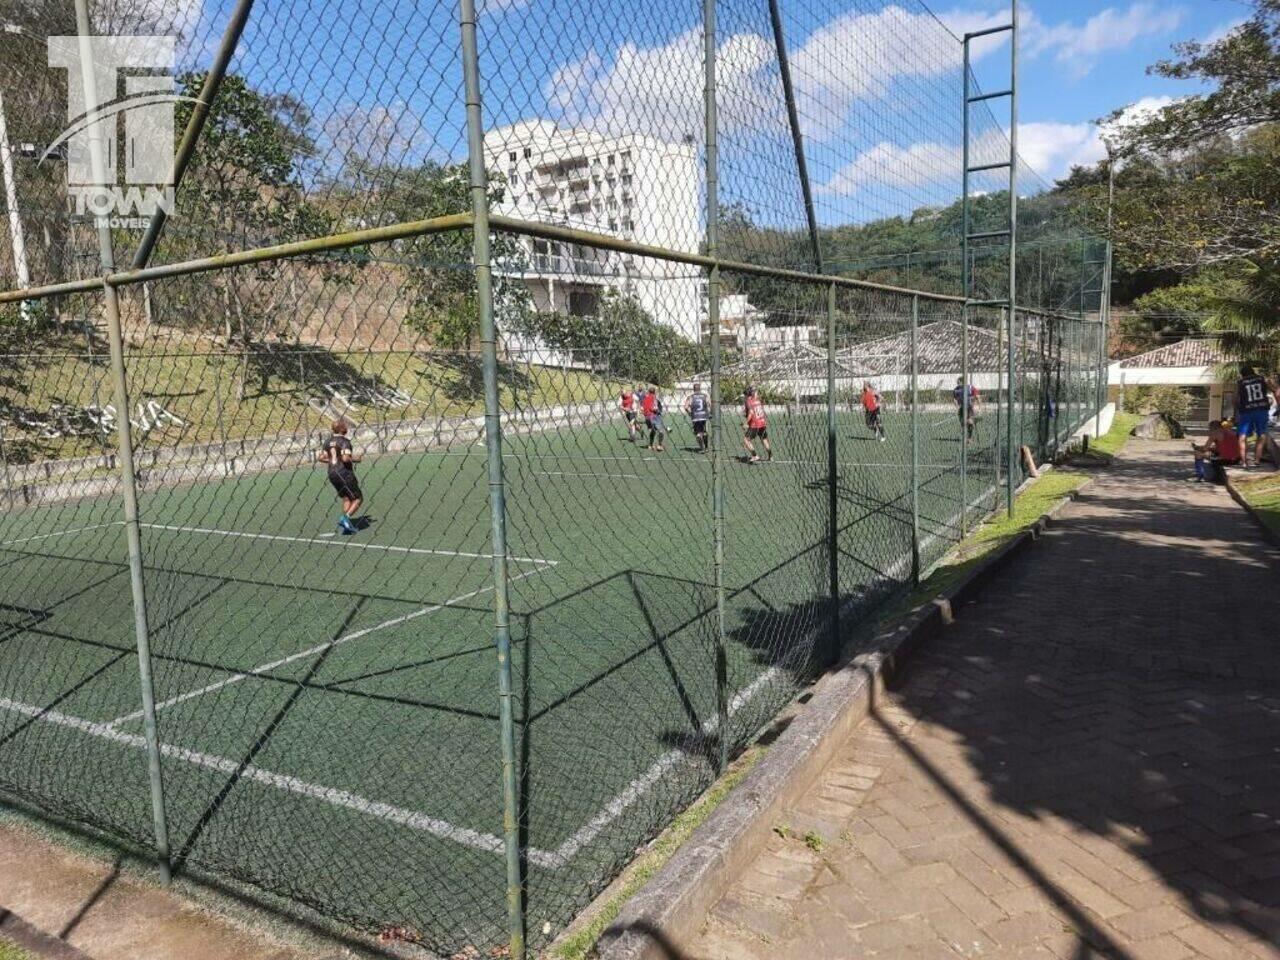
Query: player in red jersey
column 628, row 403
column 755, row 425
column 871, row 409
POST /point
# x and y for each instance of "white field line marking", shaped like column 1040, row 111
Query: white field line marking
column 311, row 651
column 344, row 544
column 331, row 795
column 633, row 791
column 842, row 464
column 595, row 476
column 63, row 533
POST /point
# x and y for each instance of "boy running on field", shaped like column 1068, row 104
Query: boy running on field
column 871, row 409
column 628, row 403
column 966, row 399
column 653, row 416
column 755, row 425
column 698, row 406
column 337, row 453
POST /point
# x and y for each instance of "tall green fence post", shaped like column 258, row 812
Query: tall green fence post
column 1013, row 217
column 997, row 452
column 915, row 442
column 966, row 283
column 1009, row 478
column 128, row 476
column 137, row 582
column 833, row 477
column 964, row 422
column 713, row 320
column 479, row 182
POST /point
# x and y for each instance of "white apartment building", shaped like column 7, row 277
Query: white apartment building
column 631, row 186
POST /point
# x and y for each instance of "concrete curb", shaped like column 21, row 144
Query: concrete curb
column 36, row 941
column 1268, row 534
column 670, row 909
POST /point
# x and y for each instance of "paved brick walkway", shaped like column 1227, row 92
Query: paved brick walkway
column 1086, row 764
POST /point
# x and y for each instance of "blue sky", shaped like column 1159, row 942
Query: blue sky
column 878, row 81
column 1067, row 81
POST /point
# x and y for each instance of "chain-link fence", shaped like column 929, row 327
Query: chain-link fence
column 646, row 330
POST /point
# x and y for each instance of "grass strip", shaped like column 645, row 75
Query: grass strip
column 579, row 944
column 1263, row 495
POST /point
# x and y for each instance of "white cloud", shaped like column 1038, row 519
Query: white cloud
column 1049, row 148
column 856, row 56
column 496, row 7
column 382, row 134
column 658, row 90
column 1077, row 46
column 1223, row 31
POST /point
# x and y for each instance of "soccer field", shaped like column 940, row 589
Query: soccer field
column 328, row 705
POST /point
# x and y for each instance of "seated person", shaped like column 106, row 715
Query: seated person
column 1221, row 449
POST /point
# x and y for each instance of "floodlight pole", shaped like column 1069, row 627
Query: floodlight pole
column 16, row 238
column 717, row 425
column 479, row 184
column 128, row 477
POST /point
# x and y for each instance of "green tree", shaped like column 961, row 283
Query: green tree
column 1199, row 191
column 439, row 281
column 242, row 190
column 620, row 337
column 1171, row 313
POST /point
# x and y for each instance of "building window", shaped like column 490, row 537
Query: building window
column 611, row 159
column 528, row 152
column 512, row 156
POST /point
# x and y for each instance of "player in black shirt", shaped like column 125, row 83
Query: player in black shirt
column 337, row 453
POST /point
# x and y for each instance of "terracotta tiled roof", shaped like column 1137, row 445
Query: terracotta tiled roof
column 1184, row 353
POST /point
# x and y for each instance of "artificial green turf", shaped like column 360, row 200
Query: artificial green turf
column 11, row 951
column 357, row 769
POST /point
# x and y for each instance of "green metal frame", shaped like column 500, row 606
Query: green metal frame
column 712, row 161
column 1009, row 302
column 128, row 475
column 479, row 184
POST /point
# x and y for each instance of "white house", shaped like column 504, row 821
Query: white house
column 1186, row 363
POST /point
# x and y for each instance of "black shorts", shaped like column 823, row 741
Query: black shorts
column 754, row 433
column 346, row 484
column 630, row 415
column 873, row 417
column 699, row 428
